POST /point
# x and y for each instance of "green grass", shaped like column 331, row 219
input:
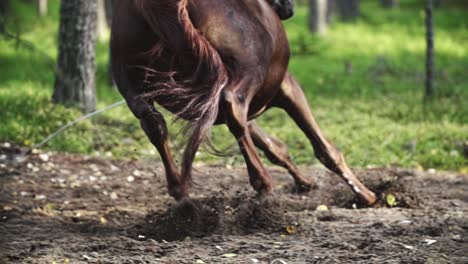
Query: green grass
column 373, row 111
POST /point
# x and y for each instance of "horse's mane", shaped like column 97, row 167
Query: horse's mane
column 200, row 95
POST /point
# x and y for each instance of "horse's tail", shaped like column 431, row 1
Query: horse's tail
column 170, row 21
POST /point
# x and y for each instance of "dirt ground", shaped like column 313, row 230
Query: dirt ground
column 61, row 208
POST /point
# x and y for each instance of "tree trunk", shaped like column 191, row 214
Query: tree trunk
column 430, row 89
column 331, row 10
column 42, row 7
column 76, row 71
column 4, row 5
column 318, row 16
column 389, row 3
column 349, row 9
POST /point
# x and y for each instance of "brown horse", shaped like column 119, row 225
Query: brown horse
column 215, row 62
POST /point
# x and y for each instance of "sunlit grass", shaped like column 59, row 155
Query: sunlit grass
column 364, row 81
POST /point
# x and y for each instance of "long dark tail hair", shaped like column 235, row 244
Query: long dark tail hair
column 170, row 21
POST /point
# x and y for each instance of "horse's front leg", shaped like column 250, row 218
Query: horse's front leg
column 292, row 99
column 236, row 105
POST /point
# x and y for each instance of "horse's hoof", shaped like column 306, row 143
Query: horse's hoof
column 370, row 199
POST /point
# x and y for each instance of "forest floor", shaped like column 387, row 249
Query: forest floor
column 62, row 208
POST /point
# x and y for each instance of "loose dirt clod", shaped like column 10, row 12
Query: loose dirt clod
column 188, row 218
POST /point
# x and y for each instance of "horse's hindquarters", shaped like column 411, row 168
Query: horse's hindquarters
column 252, row 42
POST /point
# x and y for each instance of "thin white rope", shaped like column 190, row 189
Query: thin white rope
column 72, row 123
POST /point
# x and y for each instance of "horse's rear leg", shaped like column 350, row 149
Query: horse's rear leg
column 154, row 125
column 236, row 110
column 277, row 152
column 292, row 99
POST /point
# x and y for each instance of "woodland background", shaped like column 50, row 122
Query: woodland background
column 361, row 63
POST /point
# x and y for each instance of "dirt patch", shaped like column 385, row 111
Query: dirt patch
column 216, row 215
column 58, row 207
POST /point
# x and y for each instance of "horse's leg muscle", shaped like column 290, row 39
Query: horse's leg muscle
column 292, row 99
column 277, row 152
column 154, row 125
column 235, row 103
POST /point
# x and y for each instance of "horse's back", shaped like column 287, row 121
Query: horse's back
column 247, row 31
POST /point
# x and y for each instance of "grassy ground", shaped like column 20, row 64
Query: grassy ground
column 364, row 81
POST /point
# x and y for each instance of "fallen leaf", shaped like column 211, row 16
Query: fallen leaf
column 103, row 220
column 230, row 255
column 429, row 241
column 49, row 206
column 390, row 199
column 114, row 196
column 40, row 197
column 407, row 246
column 405, row 222
column 44, row 157
column 322, row 207
column 291, row 229
column 419, row 167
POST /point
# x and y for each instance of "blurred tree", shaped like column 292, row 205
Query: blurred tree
column 389, row 3
column 348, row 9
column 331, row 9
column 430, row 89
column 4, row 5
column 318, row 16
column 75, row 79
column 42, row 7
